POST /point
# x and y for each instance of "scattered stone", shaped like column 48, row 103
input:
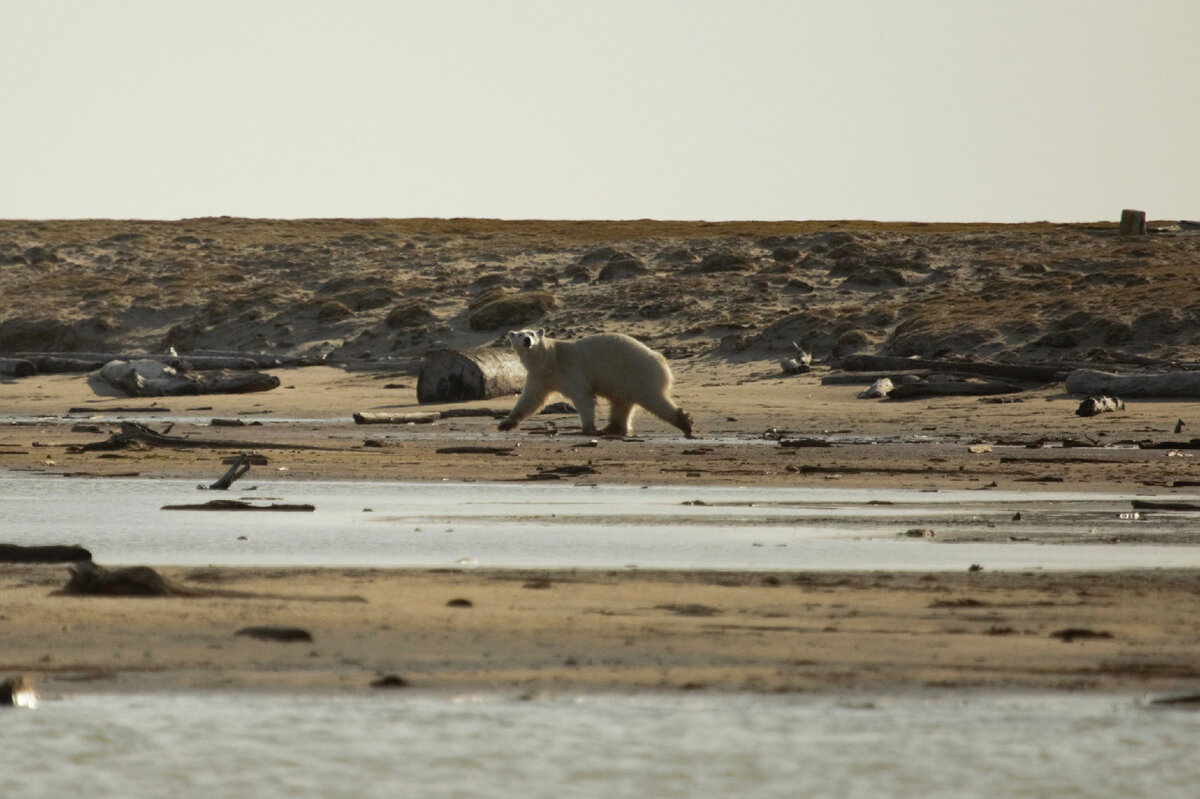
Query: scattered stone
column 919, row 532
column 460, row 603
column 879, row 389
column 1103, row 404
column 1079, row 634
column 90, row 579
column 693, row 609
column 965, row 602
column 390, row 681
column 287, row 635
column 512, row 310
column 18, row 691
column 622, row 269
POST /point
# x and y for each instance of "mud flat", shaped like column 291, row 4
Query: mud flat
column 579, row 630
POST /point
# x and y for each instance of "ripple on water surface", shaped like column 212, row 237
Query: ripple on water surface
column 269, row 745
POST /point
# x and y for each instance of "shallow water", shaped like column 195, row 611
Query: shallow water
column 397, row 744
column 549, row 525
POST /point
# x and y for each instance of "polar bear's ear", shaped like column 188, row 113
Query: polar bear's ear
column 541, row 333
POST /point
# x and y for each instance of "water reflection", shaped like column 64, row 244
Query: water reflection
column 562, row 525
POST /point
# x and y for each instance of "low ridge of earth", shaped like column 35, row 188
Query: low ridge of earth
column 351, row 289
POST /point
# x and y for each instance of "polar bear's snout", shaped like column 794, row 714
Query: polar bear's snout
column 522, row 339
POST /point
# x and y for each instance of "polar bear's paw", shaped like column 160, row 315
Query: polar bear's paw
column 684, row 421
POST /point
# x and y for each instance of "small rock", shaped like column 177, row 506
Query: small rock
column 390, row 681
column 1094, row 405
column 880, row 388
column 18, row 691
column 1079, row 634
column 285, row 635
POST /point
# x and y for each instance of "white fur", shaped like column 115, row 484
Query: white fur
column 618, row 368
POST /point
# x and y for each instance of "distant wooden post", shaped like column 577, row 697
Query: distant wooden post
column 1133, row 223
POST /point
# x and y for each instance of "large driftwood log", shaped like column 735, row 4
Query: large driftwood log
column 16, row 367
column 1010, row 371
column 152, row 378
column 465, row 375
column 1162, row 384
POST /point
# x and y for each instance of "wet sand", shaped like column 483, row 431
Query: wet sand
column 941, row 443
column 625, row 630
column 534, row 631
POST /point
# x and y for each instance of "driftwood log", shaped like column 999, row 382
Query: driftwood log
column 405, row 365
column 951, row 388
column 397, row 418
column 242, row 505
column 1009, row 371
column 52, row 362
column 240, row 466
column 150, row 378
column 465, row 375
column 1160, row 384
column 262, row 360
column 51, row 553
column 16, row 367
column 134, row 432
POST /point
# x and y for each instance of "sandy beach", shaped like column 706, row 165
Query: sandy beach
column 151, row 285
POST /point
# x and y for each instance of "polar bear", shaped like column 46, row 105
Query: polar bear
column 617, row 367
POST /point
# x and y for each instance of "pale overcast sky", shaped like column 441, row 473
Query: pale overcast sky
column 950, row 110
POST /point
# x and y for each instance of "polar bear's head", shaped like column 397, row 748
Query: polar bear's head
column 528, row 344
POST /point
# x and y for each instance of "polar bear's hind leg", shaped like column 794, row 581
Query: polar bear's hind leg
column 620, row 418
column 669, row 412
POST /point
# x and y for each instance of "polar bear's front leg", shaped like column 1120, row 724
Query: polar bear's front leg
column 530, row 402
column 580, row 393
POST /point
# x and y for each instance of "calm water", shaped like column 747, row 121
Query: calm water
column 407, row 743
column 564, row 525
column 389, row 745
